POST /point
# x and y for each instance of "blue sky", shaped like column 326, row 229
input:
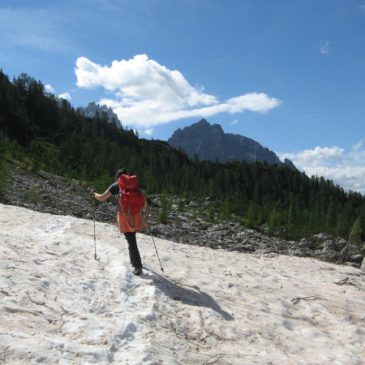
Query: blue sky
column 289, row 74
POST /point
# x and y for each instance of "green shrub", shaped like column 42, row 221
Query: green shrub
column 33, row 195
column 165, row 209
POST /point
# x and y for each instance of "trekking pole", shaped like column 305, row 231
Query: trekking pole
column 94, row 231
column 94, row 214
column 149, row 228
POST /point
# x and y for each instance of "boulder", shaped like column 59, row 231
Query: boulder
column 363, row 265
column 322, row 236
column 356, row 258
column 328, row 245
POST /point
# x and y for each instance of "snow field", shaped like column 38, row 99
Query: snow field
column 58, row 305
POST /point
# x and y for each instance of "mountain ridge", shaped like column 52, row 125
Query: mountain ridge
column 92, row 109
column 209, row 142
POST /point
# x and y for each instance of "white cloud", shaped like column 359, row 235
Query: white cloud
column 324, row 47
column 65, row 96
column 356, row 147
column 147, row 93
column 358, row 154
column 345, row 167
column 362, row 8
column 317, row 156
column 148, row 131
column 49, row 88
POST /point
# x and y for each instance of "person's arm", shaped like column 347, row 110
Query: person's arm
column 102, row 197
column 144, row 209
column 112, row 190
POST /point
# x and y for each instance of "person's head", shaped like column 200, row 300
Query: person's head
column 120, row 172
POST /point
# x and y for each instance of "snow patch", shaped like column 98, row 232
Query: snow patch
column 60, row 305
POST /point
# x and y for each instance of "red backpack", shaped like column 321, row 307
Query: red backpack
column 131, row 199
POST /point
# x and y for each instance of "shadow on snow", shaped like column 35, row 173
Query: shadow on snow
column 191, row 295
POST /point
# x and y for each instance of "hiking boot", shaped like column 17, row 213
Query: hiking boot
column 137, row 271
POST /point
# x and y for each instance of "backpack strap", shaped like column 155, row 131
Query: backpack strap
column 119, row 201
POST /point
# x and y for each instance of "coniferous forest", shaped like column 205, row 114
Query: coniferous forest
column 47, row 133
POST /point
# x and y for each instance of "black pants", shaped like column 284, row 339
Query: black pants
column 133, row 249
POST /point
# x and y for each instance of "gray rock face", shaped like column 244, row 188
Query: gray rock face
column 92, row 108
column 209, row 142
column 289, row 164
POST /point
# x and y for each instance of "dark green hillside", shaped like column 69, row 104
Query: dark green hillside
column 47, row 133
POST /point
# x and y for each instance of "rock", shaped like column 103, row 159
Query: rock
column 363, row 265
column 362, row 250
column 344, row 253
column 341, row 243
column 155, row 231
column 306, row 244
column 322, row 236
column 46, row 197
column 243, row 247
column 356, row 258
column 328, row 245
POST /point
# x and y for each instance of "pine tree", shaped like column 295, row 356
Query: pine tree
column 357, row 234
column 251, row 215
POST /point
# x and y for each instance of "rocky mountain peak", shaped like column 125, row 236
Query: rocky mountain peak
column 210, row 142
column 93, row 108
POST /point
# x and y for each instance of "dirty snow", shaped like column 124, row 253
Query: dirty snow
column 58, row 305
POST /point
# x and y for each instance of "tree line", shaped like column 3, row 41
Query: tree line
column 48, row 133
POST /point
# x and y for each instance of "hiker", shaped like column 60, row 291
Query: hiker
column 132, row 206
